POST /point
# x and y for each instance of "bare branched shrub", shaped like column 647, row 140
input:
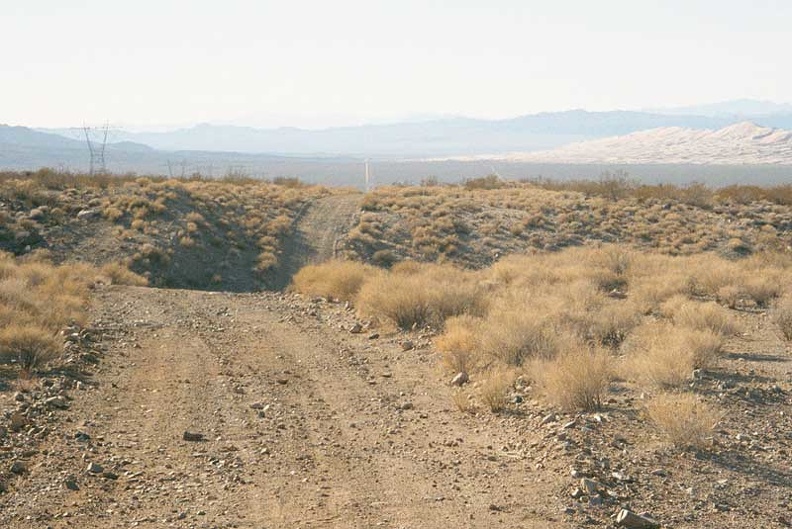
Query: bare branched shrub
column 334, row 279
column 682, row 418
column 577, row 378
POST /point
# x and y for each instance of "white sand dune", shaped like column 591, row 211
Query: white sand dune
column 741, row 143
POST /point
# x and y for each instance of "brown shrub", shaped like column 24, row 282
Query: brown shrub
column 665, row 355
column 118, row 274
column 782, row 316
column 28, row 346
column 427, row 295
column 682, row 418
column 700, row 315
column 577, row 378
column 459, row 343
column 493, row 389
column 513, row 336
column 334, row 279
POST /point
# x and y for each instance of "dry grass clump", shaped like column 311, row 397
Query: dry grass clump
column 682, row 418
column 118, row 274
column 512, row 335
column 28, row 345
column 782, row 316
column 665, row 355
column 463, row 401
column 700, row 315
column 493, row 389
column 577, row 378
column 459, row 343
column 333, row 280
column 37, row 300
column 427, row 295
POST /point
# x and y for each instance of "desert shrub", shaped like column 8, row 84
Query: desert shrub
column 459, row 343
column 709, row 273
column 334, row 279
column 462, row 400
column 121, row 275
column 426, row 295
column 492, row 181
column 782, row 316
column 611, row 325
column 761, row 287
column 494, row 389
column 611, row 265
column 28, row 345
column 682, row 418
column 577, row 378
column 513, row 336
column 700, row 315
column 665, row 355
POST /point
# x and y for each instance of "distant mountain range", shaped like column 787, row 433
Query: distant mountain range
column 452, row 136
column 468, row 148
column 739, row 144
column 738, row 108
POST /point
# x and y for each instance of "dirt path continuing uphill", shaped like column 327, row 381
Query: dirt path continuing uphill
column 316, row 233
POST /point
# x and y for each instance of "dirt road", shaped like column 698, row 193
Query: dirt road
column 304, row 427
column 315, row 235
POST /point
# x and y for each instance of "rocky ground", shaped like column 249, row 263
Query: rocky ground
column 211, row 410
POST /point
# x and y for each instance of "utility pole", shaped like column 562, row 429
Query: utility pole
column 367, row 177
column 96, row 151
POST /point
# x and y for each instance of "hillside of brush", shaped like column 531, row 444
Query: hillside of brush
column 474, row 224
column 181, row 233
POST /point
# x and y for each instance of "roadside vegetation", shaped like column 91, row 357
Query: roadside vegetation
column 576, row 325
column 189, row 233
column 476, row 223
column 38, row 300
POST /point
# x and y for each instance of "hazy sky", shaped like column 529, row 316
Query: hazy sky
column 319, row 63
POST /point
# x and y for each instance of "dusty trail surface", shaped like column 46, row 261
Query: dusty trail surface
column 316, row 234
column 304, row 427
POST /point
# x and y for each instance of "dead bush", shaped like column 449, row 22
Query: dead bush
column 459, row 343
column 665, row 355
column 494, row 389
column 682, row 418
column 514, row 336
column 118, row 274
column 700, row 315
column 28, row 346
column 577, row 378
column 782, row 316
column 333, row 280
column 427, row 296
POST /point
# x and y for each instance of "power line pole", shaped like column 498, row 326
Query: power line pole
column 367, row 177
column 96, row 151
